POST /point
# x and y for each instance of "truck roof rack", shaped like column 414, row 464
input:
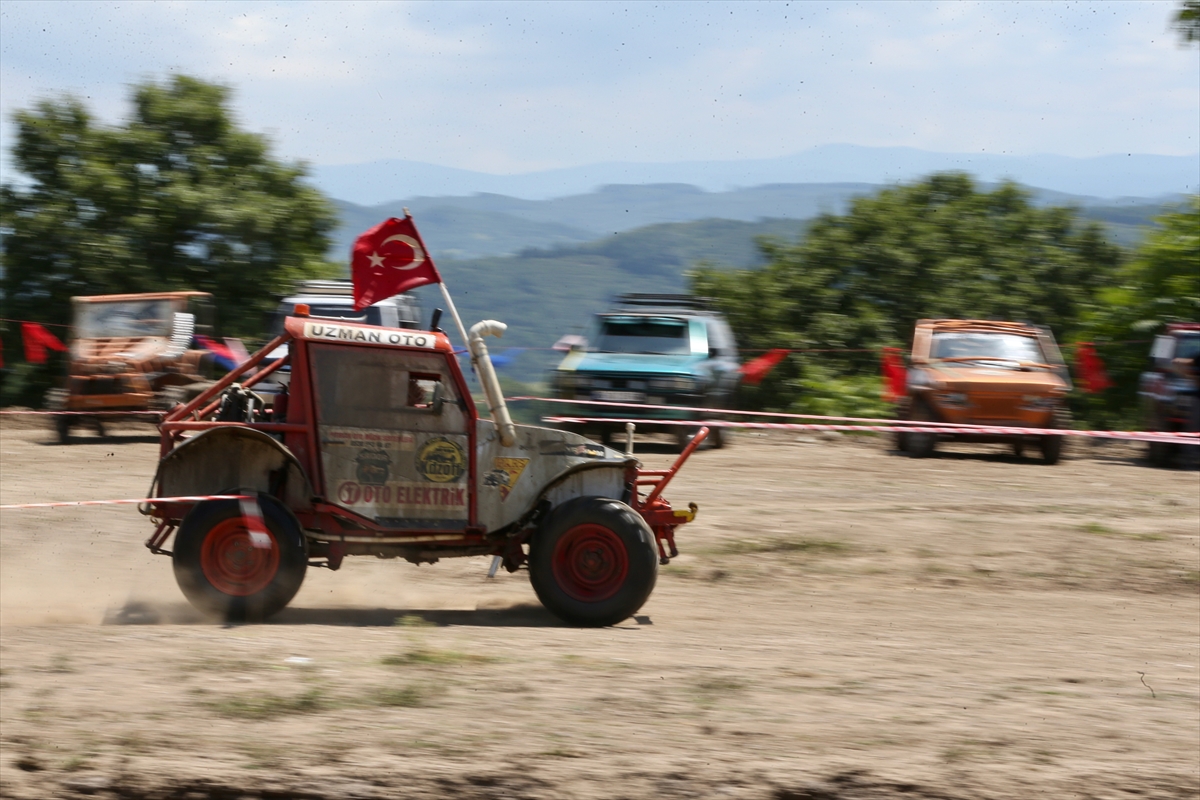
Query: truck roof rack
column 331, row 287
column 665, row 301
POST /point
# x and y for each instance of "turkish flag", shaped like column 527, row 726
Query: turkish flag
column 1090, row 369
column 389, row 259
column 36, row 339
column 895, row 379
column 756, row 369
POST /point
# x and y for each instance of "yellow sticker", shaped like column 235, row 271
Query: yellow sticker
column 441, row 460
column 504, row 474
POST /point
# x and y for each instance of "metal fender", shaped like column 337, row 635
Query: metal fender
column 593, row 479
column 233, row 459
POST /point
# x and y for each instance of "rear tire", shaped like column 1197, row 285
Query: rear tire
column 224, row 575
column 593, row 562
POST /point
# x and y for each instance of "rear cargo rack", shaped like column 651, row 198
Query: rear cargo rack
column 665, row 301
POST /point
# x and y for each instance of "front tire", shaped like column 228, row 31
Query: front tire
column 222, row 571
column 1052, row 446
column 917, row 444
column 593, row 562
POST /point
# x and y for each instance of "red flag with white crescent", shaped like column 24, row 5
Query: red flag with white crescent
column 389, row 259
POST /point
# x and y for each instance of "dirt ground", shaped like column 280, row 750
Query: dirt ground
column 844, row 623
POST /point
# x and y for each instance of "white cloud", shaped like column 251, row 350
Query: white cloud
column 520, row 86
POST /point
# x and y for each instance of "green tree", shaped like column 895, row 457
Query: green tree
column 1160, row 284
column 176, row 198
column 936, row 248
column 1187, row 21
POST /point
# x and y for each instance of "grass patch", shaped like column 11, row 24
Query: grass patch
column 720, row 685
column 269, row 706
column 790, row 545
column 439, row 658
column 413, row 621
column 1096, row 529
column 400, row 697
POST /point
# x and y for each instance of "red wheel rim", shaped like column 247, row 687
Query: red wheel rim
column 231, row 562
column 590, row 562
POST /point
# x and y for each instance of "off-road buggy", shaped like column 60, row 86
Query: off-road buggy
column 379, row 450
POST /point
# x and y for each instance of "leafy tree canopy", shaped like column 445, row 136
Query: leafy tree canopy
column 1160, row 284
column 1187, row 21
column 935, row 248
column 176, row 198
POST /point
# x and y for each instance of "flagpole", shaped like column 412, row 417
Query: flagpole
column 462, row 331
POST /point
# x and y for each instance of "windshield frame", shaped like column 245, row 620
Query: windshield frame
column 1015, row 348
column 682, row 345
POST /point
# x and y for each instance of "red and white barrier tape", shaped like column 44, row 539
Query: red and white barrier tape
column 30, row 413
column 189, row 499
column 725, row 412
column 891, row 427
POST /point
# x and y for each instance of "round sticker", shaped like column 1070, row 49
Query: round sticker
column 441, row 461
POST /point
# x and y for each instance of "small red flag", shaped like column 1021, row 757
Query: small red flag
column 756, row 369
column 895, row 378
column 1090, row 369
column 389, row 259
column 36, row 339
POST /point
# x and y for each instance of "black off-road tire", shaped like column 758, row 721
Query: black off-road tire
column 224, row 576
column 62, row 428
column 718, row 437
column 920, row 445
column 593, row 562
column 1052, row 446
column 683, row 435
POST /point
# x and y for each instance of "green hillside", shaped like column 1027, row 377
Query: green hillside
column 543, row 294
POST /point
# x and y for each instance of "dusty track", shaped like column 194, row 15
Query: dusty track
column 845, row 623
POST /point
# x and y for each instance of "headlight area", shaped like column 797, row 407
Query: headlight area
column 953, row 399
column 1039, row 402
column 567, row 383
column 673, row 383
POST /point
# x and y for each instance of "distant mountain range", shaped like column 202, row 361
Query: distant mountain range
column 484, row 225
column 1109, row 176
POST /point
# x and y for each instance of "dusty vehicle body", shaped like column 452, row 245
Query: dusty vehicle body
column 659, row 350
column 131, row 352
column 381, row 452
column 1167, row 390
column 988, row 373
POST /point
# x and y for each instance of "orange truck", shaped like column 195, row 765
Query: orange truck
column 131, row 353
column 982, row 372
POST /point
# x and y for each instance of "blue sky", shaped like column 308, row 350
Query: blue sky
column 515, row 87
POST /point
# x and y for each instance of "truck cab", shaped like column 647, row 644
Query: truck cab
column 656, row 351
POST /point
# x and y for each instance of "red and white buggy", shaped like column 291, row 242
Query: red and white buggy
column 377, row 449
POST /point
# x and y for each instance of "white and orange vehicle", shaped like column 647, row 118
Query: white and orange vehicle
column 983, row 372
column 378, row 450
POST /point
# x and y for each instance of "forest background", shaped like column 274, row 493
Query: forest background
column 179, row 197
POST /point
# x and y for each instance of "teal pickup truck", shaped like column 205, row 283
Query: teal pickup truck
column 651, row 350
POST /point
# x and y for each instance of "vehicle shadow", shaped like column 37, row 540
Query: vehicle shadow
column 524, row 615
column 105, row 441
